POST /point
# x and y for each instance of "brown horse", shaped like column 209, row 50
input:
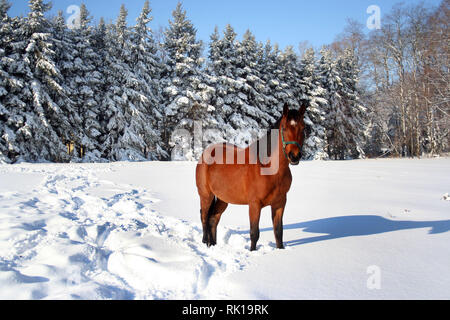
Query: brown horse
column 227, row 174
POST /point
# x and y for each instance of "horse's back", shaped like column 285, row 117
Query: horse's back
column 219, row 172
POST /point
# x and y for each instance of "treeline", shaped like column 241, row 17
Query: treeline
column 110, row 92
column 405, row 79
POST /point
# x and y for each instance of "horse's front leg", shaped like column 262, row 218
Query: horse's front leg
column 277, row 219
column 255, row 214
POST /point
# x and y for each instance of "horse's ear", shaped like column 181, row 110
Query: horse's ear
column 302, row 109
column 285, row 110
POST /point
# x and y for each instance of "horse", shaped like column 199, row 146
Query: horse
column 226, row 174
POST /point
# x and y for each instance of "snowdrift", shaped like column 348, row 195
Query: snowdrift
column 132, row 231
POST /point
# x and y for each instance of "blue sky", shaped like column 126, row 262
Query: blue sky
column 287, row 22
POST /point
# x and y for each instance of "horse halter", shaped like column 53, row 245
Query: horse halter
column 286, row 143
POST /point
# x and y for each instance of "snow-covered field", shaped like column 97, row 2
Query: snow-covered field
column 366, row 229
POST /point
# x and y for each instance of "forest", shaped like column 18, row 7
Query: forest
column 117, row 92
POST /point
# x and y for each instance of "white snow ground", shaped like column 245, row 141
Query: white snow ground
column 366, row 229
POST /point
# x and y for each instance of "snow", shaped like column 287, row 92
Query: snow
column 132, row 231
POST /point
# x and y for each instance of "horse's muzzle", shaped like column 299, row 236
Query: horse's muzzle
column 294, row 159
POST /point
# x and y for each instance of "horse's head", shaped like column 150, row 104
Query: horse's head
column 292, row 127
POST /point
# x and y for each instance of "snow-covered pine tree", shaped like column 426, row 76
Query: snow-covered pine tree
column 353, row 114
column 232, row 91
column 187, row 94
column 5, row 5
column 222, row 65
column 85, row 80
column 112, row 119
column 344, row 115
column 314, row 95
column 46, row 125
column 289, row 74
column 124, row 138
column 148, row 68
column 5, row 38
column 101, row 47
column 65, row 52
column 214, row 54
column 249, row 68
column 277, row 91
column 17, row 135
column 331, row 82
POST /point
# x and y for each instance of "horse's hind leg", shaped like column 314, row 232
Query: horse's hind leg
column 277, row 219
column 206, row 204
column 255, row 214
column 219, row 207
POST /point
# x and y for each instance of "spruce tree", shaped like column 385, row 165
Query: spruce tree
column 147, row 67
column 277, row 91
column 331, row 82
column 351, row 119
column 251, row 56
column 122, row 141
column 85, row 81
column 344, row 115
column 239, row 120
column 288, row 75
column 46, row 123
column 314, row 96
column 187, row 92
column 99, row 43
column 5, row 37
column 222, row 66
column 65, row 53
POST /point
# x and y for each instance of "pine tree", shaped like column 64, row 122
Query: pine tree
column 222, row 67
column 148, row 68
column 255, row 106
column 277, row 91
column 214, row 54
column 85, row 81
column 100, row 44
column 187, row 91
column 64, row 49
column 288, row 75
column 344, row 118
column 232, row 91
column 5, row 36
column 46, row 126
column 314, row 95
column 331, row 82
column 352, row 116
column 122, row 141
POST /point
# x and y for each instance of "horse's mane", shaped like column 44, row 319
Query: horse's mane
column 267, row 138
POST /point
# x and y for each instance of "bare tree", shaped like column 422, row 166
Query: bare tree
column 407, row 65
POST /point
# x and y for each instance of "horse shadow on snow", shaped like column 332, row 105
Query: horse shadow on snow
column 358, row 225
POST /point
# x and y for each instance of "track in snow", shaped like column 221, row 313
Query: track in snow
column 78, row 237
